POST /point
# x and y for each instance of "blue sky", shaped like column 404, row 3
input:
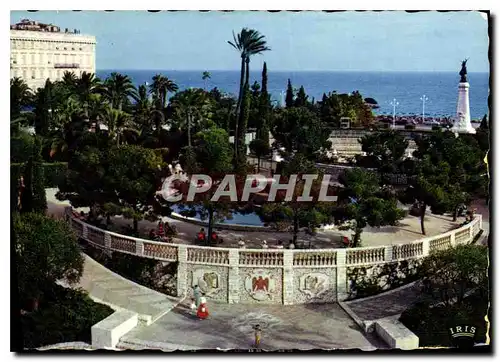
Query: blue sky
column 361, row 41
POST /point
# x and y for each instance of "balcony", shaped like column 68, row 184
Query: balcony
column 66, row 65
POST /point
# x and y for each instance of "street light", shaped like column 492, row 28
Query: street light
column 423, row 99
column 394, row 104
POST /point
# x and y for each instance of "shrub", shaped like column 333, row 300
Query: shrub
column 54, row 173
column 436, row 127
column 431, row 323
column 16, row 170
column 66, row 315
column 21, row 148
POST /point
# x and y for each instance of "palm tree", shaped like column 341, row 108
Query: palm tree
column 248, row 42
column 86, row 86
column 160, row 88
column 118, row 88
column 20, row 96
column 117, row 121
column 63, row 123
column 69, row 80
column 206, row 75
column 190, row 107
column 45, row 102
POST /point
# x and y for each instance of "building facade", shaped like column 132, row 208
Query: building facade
column 42, row 51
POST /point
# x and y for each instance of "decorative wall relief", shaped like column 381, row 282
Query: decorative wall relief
column 260, row 284
column 314, row 284
column 208, row 280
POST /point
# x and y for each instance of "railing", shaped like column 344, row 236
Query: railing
column 329, row 260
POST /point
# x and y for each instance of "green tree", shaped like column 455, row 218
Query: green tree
column 213, row 158
column 301, row 99
column 160, row 88
column 86, row 88
column 384, row 150
column 117, row 90
column 117, row 122
column 33, row 198
column 133, row 175
column 455, row 271
column 191, row 108
column 289, row 98
column 20, row 97
column 363, row 202
column 300, row 130
column 297, row 213
column 46, row 251
column 248, row 42
column 260, row 149
column 205, row 76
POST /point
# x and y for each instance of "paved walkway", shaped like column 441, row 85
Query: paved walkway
column 109, row 288
column 229, row 326
column 408, row 230
column 388, row 304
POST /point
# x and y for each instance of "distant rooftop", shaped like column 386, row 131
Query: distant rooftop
column 31, row 25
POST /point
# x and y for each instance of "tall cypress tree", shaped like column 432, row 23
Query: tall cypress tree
column 264, row 79
column 301, row 100
column 289, row 95
column 33, row 198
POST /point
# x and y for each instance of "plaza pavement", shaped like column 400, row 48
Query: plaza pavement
column 229, row 326
column 408, row 230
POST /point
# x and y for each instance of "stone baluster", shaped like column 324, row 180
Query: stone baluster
column 425, row 247
column 453, row 241
column 85, row 232
column 182, row 282
column 471, row 234
column 288, row 277
column 139, row 247
column 107, row 240
column 388, row 253
column 233, row 282
column 342, row 293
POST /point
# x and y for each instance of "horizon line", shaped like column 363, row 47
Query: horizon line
column 287, row 71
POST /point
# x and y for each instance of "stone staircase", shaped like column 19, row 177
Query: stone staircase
column 107, row 287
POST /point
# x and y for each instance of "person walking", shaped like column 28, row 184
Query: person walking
column 202, row 309
column 197, row 295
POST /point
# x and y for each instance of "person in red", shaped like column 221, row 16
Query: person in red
column 160, row 228
column 214, row 237
column 201, row 235
column 202, row 312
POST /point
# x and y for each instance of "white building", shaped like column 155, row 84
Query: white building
column 42, row 51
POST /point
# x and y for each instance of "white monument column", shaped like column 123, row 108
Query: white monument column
column 462, row 122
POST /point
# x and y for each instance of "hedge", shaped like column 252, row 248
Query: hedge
column 66, row 315
column 21, row 148
column 53, row 172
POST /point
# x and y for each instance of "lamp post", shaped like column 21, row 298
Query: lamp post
column 423, row 99
column 394, row 104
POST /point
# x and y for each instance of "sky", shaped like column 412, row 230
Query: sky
column 314, row 41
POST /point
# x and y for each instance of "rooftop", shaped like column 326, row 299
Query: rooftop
column 32, row 25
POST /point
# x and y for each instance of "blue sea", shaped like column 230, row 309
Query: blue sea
column 406, row 87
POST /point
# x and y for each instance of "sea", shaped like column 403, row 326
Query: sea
column 406, row 88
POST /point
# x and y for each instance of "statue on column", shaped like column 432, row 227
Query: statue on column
column 463, row 72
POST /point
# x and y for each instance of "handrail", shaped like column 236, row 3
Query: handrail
column 361, row 250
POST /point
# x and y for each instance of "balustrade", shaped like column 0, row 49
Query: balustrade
column 77, row 227
column 440, row 243
column 95, row 235
column 404, row 251
column 160, row 250
column 123, row 243
column 462, row 236
column 266, row 258
column 363, row 256
column 317, row 258
column 213, row 256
